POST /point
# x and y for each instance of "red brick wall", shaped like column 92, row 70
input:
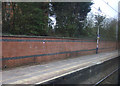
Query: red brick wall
column 14, row 47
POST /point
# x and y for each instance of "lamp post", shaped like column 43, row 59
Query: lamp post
column 98, row 37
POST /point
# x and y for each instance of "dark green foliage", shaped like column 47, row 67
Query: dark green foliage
column 109, row 33
column 29, row 19
column 5, row 20
column 32, row 19
column 69, row 18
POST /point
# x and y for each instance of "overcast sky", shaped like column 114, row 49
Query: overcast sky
column 105, row 8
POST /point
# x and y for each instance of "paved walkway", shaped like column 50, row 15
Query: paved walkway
column 38, row 74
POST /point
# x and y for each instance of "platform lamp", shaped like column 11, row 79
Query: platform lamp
column 99, row 21
column 98, row 37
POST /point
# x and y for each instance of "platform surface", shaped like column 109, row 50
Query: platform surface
column 38, row 74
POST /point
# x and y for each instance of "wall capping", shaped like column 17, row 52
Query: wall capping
column 50, row 37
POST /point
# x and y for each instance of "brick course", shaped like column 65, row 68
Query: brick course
column 39, row 51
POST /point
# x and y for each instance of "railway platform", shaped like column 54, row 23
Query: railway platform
column 38, row 74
